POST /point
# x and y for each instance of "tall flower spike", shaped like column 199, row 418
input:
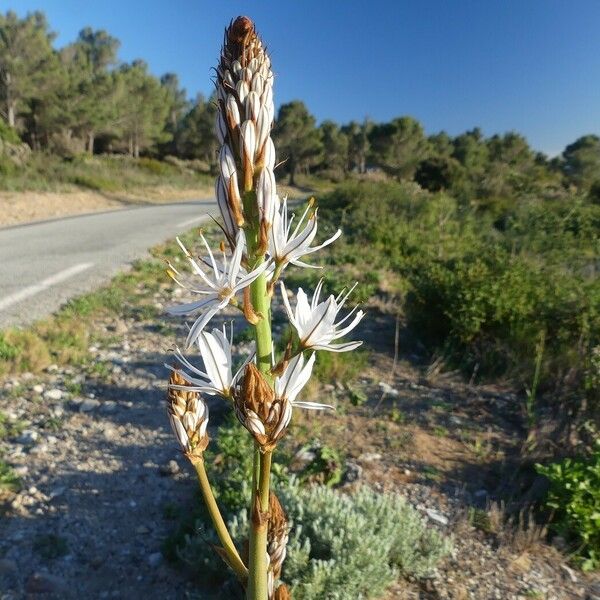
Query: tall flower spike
column 316, row 322
column 217, row 377
column 188, row 414
column 218, row 289
column 287, row 246
column 265, row 413
column 244, row 121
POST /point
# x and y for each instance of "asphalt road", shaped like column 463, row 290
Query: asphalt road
column 44, row 264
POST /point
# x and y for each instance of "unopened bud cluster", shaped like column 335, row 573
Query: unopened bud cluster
column 244, row 122
column 188, row 414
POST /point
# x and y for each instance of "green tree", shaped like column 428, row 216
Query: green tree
column 581, row 161
column 179, row 106
column 91, row 96
column 296, row 137
column 358, row 144
column 195, row 136
column 335, row 147
column 399, row 146
column 25, row 54
column 143, row 107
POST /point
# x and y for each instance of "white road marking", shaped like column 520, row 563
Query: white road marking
column 191, row 221
column 36, row 288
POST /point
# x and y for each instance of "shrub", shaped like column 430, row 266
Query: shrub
column 479, row 285
column 341, row 547
column 574, row 495
column 8, row 134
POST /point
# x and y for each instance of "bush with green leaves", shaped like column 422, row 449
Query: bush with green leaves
column 342, row 547
column 479, row 286
column 574, row 496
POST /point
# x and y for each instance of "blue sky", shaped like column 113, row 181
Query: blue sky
column 532, row 66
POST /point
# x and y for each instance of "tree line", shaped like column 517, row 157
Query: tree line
column 81, row 98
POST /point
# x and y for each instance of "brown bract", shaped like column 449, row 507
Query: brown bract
column 277, row 536
column 260, row 412
column 239, row 29
column 282, row 593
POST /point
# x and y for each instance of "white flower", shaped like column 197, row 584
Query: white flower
column 293, row 379
column 315, row 322
column 219, row 288
column 217, row 377
column 286, row 246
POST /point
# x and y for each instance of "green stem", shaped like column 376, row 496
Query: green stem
column 257, row 564
column 233, row 558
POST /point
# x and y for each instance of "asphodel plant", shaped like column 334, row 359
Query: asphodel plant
column 260, row 241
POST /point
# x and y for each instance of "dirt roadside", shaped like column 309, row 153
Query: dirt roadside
column 24, row 207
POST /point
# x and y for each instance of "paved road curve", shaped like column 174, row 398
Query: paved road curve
column 44, row 264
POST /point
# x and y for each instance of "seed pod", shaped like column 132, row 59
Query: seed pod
column 259, row 411
column 188, row 414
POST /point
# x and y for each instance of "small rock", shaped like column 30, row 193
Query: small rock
column 437, row 517
column 44, row 583
column 171, row 468
column 303, row 457
column 481, row 493
column 142, row 529
column 328, row 387
column 455, row 420
column 88, row 405
column 155, row 559
column 38, row 389
column 370, row 456
column 57, row 491
column 386, row 388
column 28, row 436
column 53, row 394
column 109, row 406
column 569, row 572
column 52, row 369
column 353, row 472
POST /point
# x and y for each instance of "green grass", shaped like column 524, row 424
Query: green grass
column 103, row 173
column 9, row 482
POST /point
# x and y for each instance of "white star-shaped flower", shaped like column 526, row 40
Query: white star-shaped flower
column 294, row 378
column 217, row 377
column 218, row 288
column 287, row 246
column 315, row 322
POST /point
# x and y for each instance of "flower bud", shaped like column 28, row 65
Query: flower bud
column 188, row 414
column 265, row 192
column 277, row 536
column 257, row 409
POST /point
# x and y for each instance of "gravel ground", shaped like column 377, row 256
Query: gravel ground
column 100, row 469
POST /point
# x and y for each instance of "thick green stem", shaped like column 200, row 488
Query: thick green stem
column 233, row 558
column 258, row 561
